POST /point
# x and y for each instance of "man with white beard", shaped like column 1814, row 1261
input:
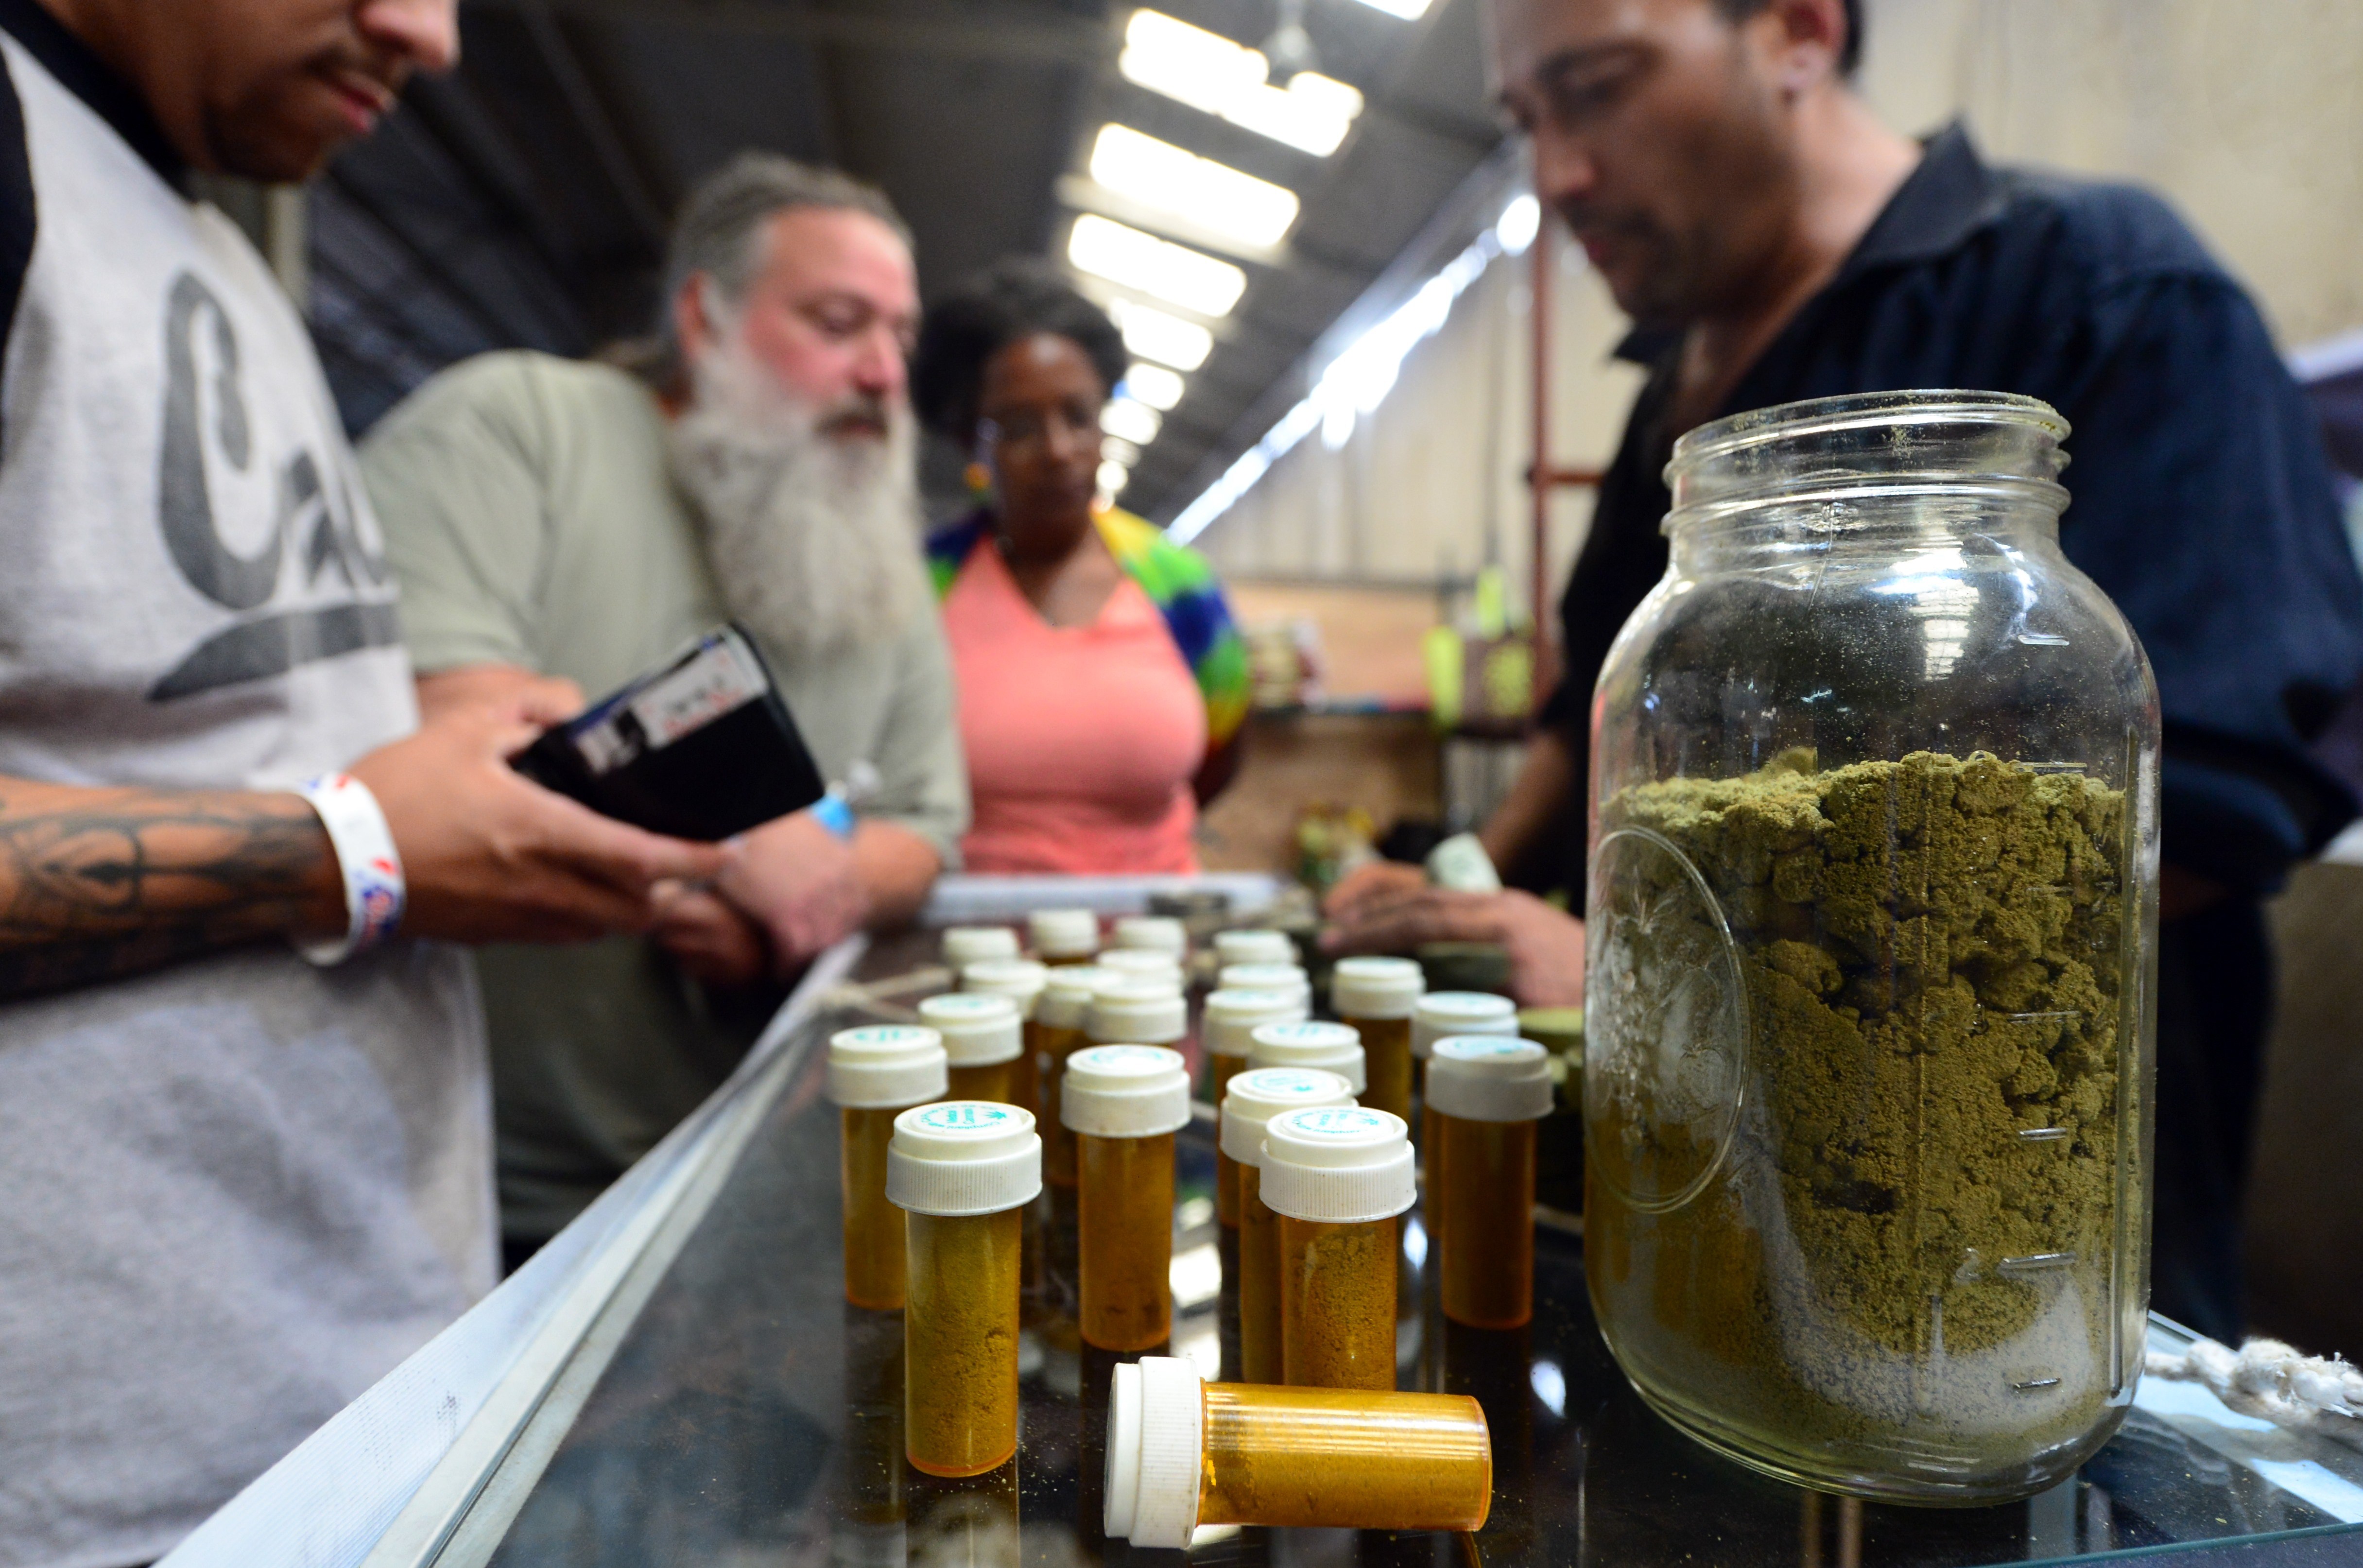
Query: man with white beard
column 552, row 518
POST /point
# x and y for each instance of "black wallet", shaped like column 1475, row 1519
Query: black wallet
column 701, row 749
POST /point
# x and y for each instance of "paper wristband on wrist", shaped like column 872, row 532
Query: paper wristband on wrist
column 367, row 861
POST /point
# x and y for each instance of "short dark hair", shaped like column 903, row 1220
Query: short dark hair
column 1738, row 11
column 1013, row 299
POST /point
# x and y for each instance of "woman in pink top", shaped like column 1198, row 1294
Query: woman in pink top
column 1101, row 682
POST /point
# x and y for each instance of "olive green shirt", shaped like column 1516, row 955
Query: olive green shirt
column 532, row 519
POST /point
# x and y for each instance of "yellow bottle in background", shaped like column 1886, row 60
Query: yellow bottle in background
column 1123, row 1104
column 1255, row 1096
column 984, row 1041
column 874, row 1074
column 1376, row 995
column 1338, row 1178
column 1227, row 1025
column 1486, row 1095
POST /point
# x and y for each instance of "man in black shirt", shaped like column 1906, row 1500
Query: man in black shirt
column 1773, row 241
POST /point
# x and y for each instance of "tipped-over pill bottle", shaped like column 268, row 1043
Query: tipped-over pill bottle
column 875, row 1074
column 1063, row 936
column 1123, row 1104
column 1253, row 947
column 1441, row 1013
column 1182, row 1452
column 1254, row 1097
column 1022, row 980
column 1141, row 963
column 1486, row 1093
column 984, row 1044
column 1332, row 1048
column 1377, row 995
column 964, row 945
column 1154, row 933
column 1338, row 1178
column 1266, row 977
column 962, row 1171
column 1227, row 1025
column 1064, row 1006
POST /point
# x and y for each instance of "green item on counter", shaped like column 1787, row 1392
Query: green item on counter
column 1935, row 1046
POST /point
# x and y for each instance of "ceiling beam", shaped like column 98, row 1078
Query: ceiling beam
column 972, row 30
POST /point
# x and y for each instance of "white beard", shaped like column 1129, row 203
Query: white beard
column 814, row 538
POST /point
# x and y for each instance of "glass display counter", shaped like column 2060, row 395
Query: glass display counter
column 713, row 1400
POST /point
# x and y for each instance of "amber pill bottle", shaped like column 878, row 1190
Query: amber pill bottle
column 1064, row 1006
column 1253, row 945
column 1376, row 995
column 1266, row 977
column 1487, row 1094
column 1063, row 936
column 983, row 1040
column 874, row 1074
column 1021, row 980
column 1183, row 1454
column 1332, row 1048
column 1441, row 1013
column 1229, row 1021
column 1123, row 1104
column 961, row 1171
column 1338, row 1178
column 1154, row 933
column 1254, row 1097
column 964, row 945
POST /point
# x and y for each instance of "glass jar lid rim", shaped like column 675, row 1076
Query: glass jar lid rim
column 1786, row 421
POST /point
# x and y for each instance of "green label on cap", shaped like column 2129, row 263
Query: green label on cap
column 1481, row 1045
column 886, row 1034
column 1341, row 1121
column 965, row 1002
column 954, row 1116
column 1288, row 1081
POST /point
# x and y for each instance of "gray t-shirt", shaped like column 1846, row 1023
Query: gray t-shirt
column 236, row 1192
column 532, row 519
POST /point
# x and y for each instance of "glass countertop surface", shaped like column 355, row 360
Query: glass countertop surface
column 745, row 1414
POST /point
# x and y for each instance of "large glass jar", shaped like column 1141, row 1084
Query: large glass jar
column 1871, row 908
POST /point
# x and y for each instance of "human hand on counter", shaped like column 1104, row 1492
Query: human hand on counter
column 800, row 883
column 491, row 856
column 709, row 938
column 1545, row 944
column 1371, row 883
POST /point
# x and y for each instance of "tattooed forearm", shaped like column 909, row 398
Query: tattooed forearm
column 101, row 883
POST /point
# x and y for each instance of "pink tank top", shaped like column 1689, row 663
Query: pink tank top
column 1081, row 741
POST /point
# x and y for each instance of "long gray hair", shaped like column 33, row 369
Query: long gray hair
column 718, row 234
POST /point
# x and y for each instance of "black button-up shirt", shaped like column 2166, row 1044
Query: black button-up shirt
column 2200, row 497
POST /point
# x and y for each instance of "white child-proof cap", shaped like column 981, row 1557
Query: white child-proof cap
column 979, row 1029
column 1343, row 1165
column 964, row 945
column 1155, row 1443
column 881, row 1066
column 1253, row 947
column 1266, row 977
column 1019, row 979
column 1483, row 1077
column 1153, row 933
column 1375, row 987
column 1336, row 1047
column 962, row 1157
column 1064, row 933
column 1136, row 1012
column 1125, row 1091
column 1066, row 999
column 1140, row 963
column 1254, row 1097
column 1442, row 1013
column 1232, row 1015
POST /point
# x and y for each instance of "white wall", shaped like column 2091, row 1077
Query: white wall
column 2246, row 114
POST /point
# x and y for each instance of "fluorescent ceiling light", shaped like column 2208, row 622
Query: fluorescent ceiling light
column 1114, row 476
column 1214, row 197
column 1116, row 448
column 1408, row 10
column 1152, row 385
column 1208, row 72
column 1520, row 221
column 1122, row 254
column 1153, row 334
column 1134, row 422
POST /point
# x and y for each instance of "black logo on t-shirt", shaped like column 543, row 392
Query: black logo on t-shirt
column 206, row 424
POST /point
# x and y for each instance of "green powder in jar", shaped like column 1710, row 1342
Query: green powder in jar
column 1931, row 952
